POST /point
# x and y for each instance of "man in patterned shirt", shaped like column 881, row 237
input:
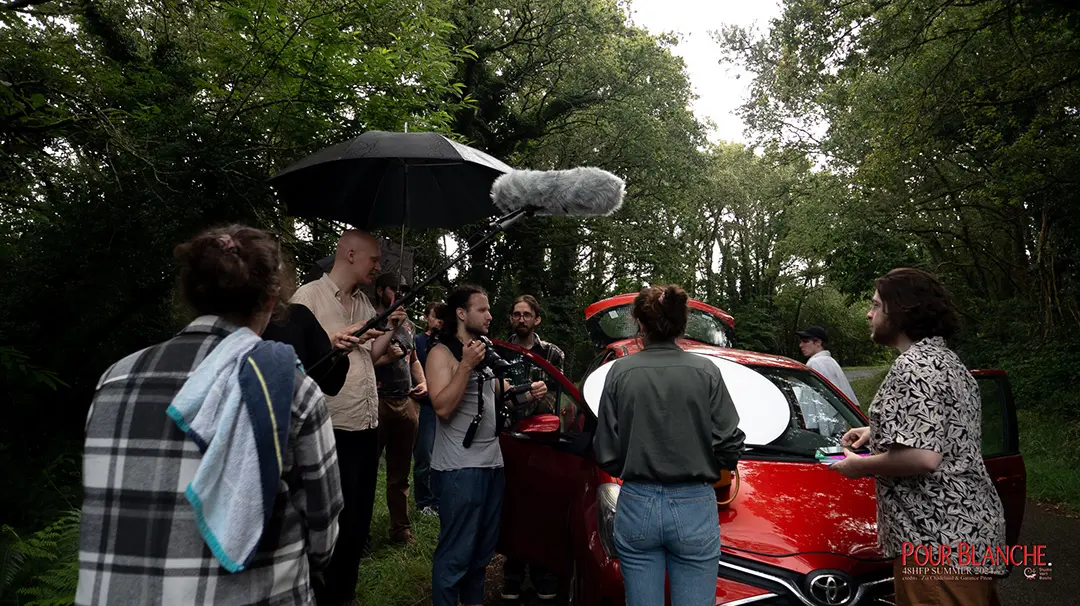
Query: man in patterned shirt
column 139, row 542
column 933, row 490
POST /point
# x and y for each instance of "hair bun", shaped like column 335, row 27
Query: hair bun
column 674, row 297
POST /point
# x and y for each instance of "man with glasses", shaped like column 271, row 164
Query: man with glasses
column 524, row 318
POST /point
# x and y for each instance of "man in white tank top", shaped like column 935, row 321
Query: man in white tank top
column 466, row 462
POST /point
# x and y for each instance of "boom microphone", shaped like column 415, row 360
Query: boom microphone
column 582, row 191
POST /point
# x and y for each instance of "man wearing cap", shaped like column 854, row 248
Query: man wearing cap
column 812, row 343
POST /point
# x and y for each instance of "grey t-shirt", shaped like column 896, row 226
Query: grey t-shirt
column 449, row 453
column 394, row 380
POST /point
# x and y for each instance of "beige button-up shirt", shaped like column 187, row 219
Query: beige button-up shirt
column 356, row 406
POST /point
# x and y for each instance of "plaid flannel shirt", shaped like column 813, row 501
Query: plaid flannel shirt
column 138, row 542
column 545, row 349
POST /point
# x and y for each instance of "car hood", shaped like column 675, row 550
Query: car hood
column 787, row 512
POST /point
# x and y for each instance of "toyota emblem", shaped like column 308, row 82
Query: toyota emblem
column 830, row 589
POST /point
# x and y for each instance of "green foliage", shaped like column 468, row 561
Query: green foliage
column 18, row 369
column 1051, row 447
column 43, row 569
column 866, row 387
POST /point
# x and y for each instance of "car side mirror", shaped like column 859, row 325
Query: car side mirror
column 538, row 426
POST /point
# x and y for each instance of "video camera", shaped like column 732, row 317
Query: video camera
column 492, row 360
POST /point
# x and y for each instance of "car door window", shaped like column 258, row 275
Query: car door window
column 994, row 428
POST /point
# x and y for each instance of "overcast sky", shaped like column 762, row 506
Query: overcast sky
column 719, row 92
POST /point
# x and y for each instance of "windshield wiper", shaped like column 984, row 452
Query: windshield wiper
column 783, row 450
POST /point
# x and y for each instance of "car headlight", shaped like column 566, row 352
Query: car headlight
column 607, row 497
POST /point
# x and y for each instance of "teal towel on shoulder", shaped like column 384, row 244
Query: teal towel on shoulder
column 236, row 407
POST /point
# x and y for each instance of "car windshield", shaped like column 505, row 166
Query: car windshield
column 618, row 323
column 818, row 416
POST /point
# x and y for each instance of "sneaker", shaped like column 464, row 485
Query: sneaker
column 511, row 592
column 429, row 511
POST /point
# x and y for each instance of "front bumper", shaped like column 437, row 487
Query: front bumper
column 824, row 587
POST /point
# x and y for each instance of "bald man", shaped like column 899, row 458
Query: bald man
column 338, row 303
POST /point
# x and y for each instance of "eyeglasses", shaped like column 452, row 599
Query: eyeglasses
column 517, row 315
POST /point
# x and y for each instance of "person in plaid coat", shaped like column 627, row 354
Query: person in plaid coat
column 139, row 541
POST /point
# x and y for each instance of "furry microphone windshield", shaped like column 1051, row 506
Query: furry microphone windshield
column 583, row 191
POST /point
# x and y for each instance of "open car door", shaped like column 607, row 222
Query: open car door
column 1001, row 447
column 544, row 453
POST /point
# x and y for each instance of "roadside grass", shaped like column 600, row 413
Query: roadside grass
column 1051, row 449
column 866, row 387
column 1050, row 446
column 394, row 574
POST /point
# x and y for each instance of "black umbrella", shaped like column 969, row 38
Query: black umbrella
column 384, row 179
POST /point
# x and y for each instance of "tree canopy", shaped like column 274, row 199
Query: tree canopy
column 921, row 133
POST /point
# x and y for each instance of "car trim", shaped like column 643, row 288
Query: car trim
column 757, row 598
column 794, row 589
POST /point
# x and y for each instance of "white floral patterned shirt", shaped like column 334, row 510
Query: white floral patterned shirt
column 930, row 400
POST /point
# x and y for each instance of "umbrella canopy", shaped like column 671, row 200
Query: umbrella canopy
column 385, row 179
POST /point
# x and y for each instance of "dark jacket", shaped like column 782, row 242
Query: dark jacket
column 666, row 416
column 299, row 328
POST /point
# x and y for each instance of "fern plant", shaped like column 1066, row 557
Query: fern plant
column 43, row 569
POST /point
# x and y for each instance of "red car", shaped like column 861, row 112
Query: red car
column 795, row 532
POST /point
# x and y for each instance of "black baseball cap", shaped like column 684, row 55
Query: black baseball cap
column 814, row 332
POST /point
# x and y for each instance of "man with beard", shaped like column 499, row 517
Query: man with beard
column 525, row 316
column 396, row 373
column 933, row 489
column 341, row 307
column 467, row 464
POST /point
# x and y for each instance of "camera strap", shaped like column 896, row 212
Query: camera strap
column 457, row 349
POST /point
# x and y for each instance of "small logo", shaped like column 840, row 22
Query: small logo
column 830, row 589
column 1040, row 573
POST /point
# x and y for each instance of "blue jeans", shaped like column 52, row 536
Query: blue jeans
column 470, row 510
column 672, row 528
column 425, row 441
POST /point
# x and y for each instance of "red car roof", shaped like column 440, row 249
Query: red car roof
column 628, row 299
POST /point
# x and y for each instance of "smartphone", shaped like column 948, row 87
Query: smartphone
column 831, row 450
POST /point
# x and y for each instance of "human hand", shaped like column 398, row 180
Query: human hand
column 419, row 391
column 395, row 351
column 850, row 466
column 364, row 337
column 397, row 317
column 473, row 353
column 537, row 390
column 344, row 340
column 856, row 438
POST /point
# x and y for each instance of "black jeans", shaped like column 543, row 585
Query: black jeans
column 358, row 465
